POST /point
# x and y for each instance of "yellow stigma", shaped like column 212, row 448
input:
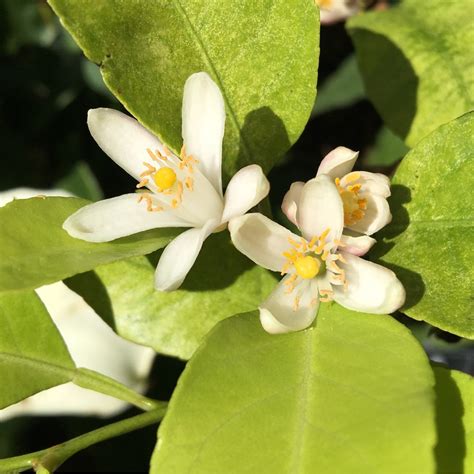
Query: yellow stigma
column 307, row 267
column 164, row 178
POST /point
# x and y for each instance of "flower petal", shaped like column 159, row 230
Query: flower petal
column 370, row 287
column 338, row 162
column 374, row 183
column 285, row 312
column 337, row 10
column 261, row 240
column 290, row 202
column 118, row 217
column 203, row 125
column 357, row 245
column 245, row 190
column 27, row 193
column 320, row 208
column 92, row 344
column 180, row 255
column 123, row 139
column 377, row 215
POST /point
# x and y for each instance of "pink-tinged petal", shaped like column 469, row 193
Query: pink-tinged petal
column 370, row 288
column 338, row 162
column 357, row 245
column 245, row 190
column 261, row 240
column 117, row 217
column 179, row 256
column 289, row 206
column 372, row 183
column 320, row 208
column 124, row 140
column 285, row 311
column 376, row 216
column 203, row 125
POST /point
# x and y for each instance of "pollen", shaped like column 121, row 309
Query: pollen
column 307, row 266
column 354, row 205
column 164, row 178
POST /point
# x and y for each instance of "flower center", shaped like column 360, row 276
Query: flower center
column 354, row 205
column 164, row 178
column 307, row 266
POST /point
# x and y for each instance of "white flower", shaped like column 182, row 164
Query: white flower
column 91, row 343
column 364, row 194
column 183, row 191
column 317, row 266
column 332, row 11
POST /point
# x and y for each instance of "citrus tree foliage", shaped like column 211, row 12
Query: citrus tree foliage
column 354, row 392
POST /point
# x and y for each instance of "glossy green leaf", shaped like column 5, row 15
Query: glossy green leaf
column 416, row 62
column 81, row 182
column 352, row 395
column 221, row 283
column 429, row 242
column 341, row 89
column 263, row 55
column 35, row 250
column 33, row 356
column 455, row 421
column 387, row 149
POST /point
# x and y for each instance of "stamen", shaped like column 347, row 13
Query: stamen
column 152, row 155
column 142, row 183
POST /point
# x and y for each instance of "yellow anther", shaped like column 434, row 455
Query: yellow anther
column 142, row 183
column 323, row 236
column 354, row 176
column 164, row 178
column 307, row 267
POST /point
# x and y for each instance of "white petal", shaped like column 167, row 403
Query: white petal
column 118, row 217
column 245, row 190
column 338, row 10
column 320, row 208
column 123, row 139
column 370, row 287
column 338, row 162
column 261, row 240
column 27, row 193
column 377, row 215
column 290, row 202
column 179, row 256
column 357, row 245
column 93, row 345
column 373, row 183
column 203, row 125
column 281, row 313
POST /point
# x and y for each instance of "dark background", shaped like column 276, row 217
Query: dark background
column 46, row 89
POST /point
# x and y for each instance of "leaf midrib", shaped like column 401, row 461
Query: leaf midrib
column 210, row 63
column 37, row 364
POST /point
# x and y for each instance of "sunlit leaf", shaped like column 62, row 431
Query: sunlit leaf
column 35, row 250
column 33, row 356
column 352, row 395
column 428, row 243
column 221, row 283
column 455, row 420
column 263, row 55
column 416, row 62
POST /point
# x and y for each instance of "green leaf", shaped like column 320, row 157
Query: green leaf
column 428, row 243
column 263, row 55
column 81, row 182
column 221, row 283
column 416, row 62
column 35, row 250
column 387, row 149
column 351, row 395
column 455, row 421
column 33, row 356
column 341, row 89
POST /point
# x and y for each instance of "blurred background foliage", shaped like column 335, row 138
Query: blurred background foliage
column 46, row 88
